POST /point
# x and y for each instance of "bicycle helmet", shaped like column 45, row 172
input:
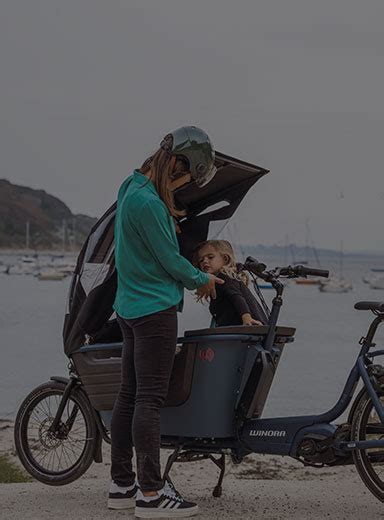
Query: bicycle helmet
column 193, row 144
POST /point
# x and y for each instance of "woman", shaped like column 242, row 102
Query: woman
column 151, row 279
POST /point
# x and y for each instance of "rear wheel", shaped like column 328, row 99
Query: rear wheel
column 366, row 425
column 62, row 456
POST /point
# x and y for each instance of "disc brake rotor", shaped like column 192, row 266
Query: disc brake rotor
column 50, row 439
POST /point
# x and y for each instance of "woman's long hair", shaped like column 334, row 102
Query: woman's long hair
column 164, row 166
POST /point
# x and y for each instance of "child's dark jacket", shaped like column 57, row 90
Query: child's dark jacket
column 233, row 299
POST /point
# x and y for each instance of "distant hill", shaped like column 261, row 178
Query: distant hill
column 46, row 216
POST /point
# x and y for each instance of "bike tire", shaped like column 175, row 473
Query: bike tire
column 363, row 427
column 29, row 409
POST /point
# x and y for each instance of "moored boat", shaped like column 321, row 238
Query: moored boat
column 377, row 282
column 335, row 285
column 305, row 281
column 51, row 275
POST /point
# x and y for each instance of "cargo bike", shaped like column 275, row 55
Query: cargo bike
column 221, row 375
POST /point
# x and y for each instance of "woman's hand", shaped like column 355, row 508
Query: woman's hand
column 209, row 289
column 248, row 320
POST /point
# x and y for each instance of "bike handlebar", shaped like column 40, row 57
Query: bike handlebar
column 254, row 265
column 301, row 270
column 258, row 268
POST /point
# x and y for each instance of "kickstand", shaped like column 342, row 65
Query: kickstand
column 220, row 462
column 189, row 456
column 171, row 459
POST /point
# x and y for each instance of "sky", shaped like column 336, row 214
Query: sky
column 89, row 87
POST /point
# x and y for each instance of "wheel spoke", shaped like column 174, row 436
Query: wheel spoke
column 58, row 451
column 375, row 429
column 66, row 456
column 76, row 431
column 49, row 459
column 366, row 426
column 376, row 457
column 60, row 466
column 44, row 406
column 72, row 451
column 43, row 451
column 40, row 409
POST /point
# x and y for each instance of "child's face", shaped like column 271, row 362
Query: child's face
column 210, row 260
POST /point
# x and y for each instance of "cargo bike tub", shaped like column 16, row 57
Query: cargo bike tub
column 221, row 376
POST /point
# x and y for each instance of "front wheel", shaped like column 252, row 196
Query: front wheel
column 366, row 425
column 62, row 456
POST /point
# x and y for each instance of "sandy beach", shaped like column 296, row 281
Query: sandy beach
column 261, row 487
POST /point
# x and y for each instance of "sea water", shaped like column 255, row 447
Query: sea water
column 311, row 373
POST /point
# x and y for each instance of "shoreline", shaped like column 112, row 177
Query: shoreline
column 33, row 252
column 258, row 249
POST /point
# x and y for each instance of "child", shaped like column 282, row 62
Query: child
column 234, row 303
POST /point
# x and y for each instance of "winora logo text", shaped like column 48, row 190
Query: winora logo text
column 267, row 433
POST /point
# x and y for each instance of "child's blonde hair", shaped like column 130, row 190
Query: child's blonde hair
column 225, row 249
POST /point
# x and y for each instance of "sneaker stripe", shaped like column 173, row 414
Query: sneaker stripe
column 165, row 503
column 165, row 507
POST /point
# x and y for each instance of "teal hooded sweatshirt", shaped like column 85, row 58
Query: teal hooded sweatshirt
column 151, row 272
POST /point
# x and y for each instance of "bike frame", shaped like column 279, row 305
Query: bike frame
column 283, row 435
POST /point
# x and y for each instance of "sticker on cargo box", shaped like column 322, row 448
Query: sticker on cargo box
column 207, row 354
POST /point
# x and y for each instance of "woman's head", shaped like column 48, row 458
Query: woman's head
column 194, row 146
column 215, row 256
column 187, row 152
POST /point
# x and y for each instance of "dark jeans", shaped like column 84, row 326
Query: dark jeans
column 147, row 360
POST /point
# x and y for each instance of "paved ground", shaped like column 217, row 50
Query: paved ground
column 260, row 488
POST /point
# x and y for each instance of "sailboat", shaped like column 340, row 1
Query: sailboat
column 50, row 274
column 368, row 277
column 26, row 265
column 307, row 281
column 337, row 284
column 308, row 238
column 233, row 233
column 375, row 278
column 377, row 282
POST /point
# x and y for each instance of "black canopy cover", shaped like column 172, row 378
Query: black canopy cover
column 89, row 317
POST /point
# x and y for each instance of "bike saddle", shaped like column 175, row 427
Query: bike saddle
column 370, row 306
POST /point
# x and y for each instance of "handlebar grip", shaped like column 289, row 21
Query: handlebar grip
column 254, row 265
column 303, row 271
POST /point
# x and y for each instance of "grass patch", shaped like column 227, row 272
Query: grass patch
column 10, row 473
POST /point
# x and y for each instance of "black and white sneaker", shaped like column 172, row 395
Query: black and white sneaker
column 167, row 504
column 122, row 497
